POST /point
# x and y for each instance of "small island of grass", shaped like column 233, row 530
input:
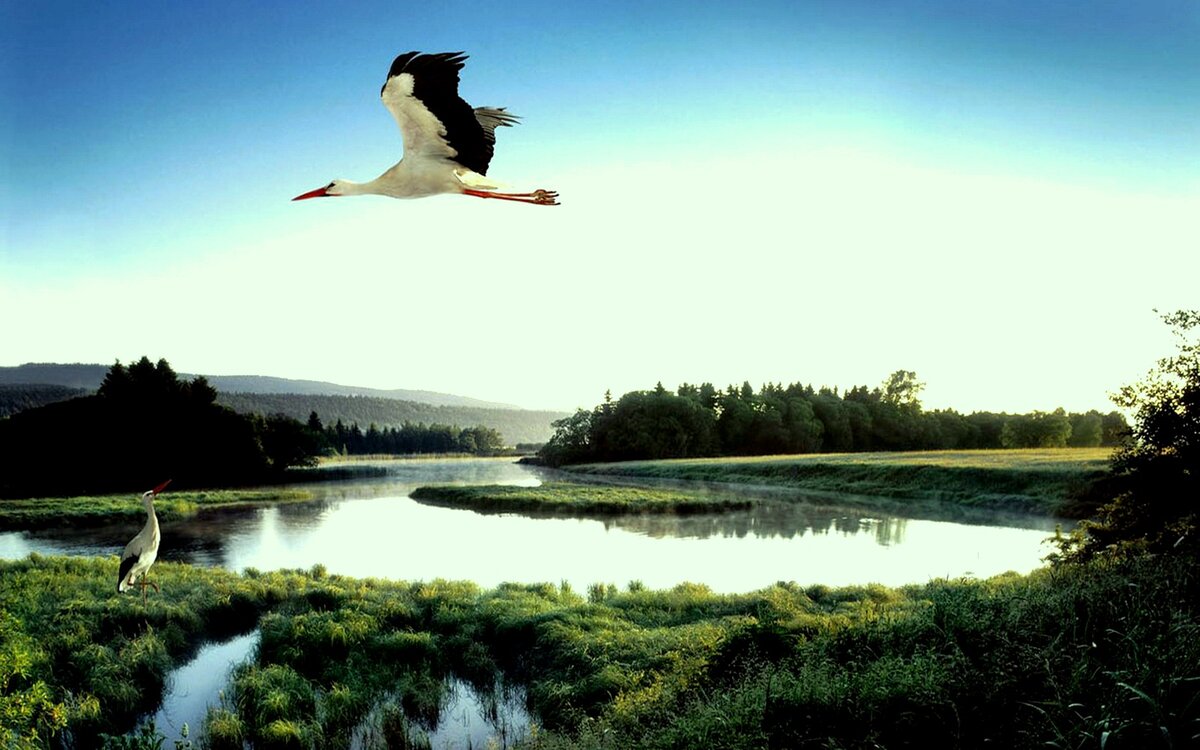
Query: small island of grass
column 569, row 498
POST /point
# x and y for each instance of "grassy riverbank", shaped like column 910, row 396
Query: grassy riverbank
column 1045, row 481
column 1057, row 658
column 89, row 510
column 570, row 498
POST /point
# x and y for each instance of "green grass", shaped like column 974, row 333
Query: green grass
column 570, row 498
column 1045, row 481
column 1068, row 657
column 39, row 512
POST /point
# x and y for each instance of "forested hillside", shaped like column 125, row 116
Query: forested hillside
column 31, row 385
column 15, row 398
column 517, row 426
column 90, row 377
column 143, row 425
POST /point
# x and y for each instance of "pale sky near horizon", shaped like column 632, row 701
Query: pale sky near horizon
column 996, row 195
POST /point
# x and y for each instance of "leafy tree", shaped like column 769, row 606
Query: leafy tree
column 1037, row 430
column 287, row 443
column 1113, row 428
column 831, row 412
column 735, row 424
column 656, row 424
column 1086, row 430
column 571, row 441
column 902, row 389
column 1158, row 468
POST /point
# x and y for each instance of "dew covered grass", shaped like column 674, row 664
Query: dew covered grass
column 90, row 510
column 1050, row 481
column 1067, row 657
column 574, row 498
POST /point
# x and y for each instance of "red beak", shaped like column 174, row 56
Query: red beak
column 161, row 487
column 318, row 193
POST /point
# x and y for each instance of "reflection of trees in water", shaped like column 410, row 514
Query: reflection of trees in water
column 767, row 520
column 853, row 506
column 890, row 530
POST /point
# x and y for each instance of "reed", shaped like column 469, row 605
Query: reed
column 1076, row 655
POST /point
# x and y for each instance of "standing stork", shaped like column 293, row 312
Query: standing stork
column 142, row 550
column 447, row 144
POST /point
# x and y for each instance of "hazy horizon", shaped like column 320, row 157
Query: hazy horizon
column 995, row 196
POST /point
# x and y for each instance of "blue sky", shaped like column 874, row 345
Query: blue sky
column 986, row 193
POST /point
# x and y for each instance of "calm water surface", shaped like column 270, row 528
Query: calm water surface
column 467, row 718
column 370, row 527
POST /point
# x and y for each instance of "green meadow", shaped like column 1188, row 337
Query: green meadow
column 1105, row 654
column 573, row 498
column 1050, row 481
column 91, row 510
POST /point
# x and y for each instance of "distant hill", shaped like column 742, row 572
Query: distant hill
column 30, row 385
column 516, row 425
column 19, row 397
column 264, row 384
column 89, row 377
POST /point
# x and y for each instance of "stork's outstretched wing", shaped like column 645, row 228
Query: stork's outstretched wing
column 421, row 92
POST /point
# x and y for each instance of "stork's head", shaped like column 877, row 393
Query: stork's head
column 337, row 187
column 151, row 493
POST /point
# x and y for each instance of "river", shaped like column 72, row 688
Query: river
column 370, row 527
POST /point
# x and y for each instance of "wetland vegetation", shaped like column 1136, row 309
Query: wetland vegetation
column 1064, row 482
column 91, row 510
column 572, row 498
column 1103, row 648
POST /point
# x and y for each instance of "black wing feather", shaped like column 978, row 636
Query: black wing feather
column 126, row 566
column 435, row 83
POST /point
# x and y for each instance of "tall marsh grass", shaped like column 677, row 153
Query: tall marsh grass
column 1074, row 656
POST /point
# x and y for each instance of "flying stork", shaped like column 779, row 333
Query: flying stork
column 142, row 550
column 447, row 144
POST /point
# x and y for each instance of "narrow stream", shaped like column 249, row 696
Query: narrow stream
column 195, row 686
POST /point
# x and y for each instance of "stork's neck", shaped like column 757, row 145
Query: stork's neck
column 352, row 188
column 360, row 188
column 151, row 518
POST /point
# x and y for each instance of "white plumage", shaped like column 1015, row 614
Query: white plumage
column 448, row 145
column 142, row 550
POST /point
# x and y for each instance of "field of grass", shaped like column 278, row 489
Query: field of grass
column 88, row 510
column 1103, row 655
column 571, row 498
column 1046, row 481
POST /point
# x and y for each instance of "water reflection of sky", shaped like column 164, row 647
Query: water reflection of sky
column 371, row 528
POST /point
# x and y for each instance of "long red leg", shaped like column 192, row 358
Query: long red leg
column 144, row 583
column 537, row 198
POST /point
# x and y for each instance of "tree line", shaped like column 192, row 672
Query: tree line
column 143, row 425
column 516, row 425
column 700, row 421
column 146, row 424
column 409, row 438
